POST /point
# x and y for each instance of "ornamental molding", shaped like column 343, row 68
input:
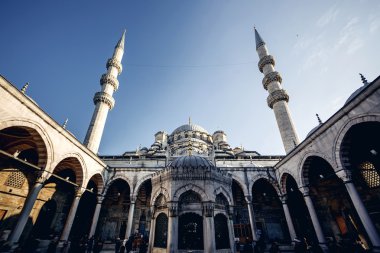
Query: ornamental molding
column 271, row 77
column 104, row 98
column 173, row 209
column 208, row 209
column 267, row 59
column 276, row 96
column 109, row 79
column 112, row 62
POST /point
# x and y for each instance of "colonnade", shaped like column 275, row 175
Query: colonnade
column 208, row 217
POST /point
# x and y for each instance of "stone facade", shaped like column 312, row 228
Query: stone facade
column 190, row 190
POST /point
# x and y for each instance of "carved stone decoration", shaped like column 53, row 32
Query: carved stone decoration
column 345, row 176
column 105, row 98
column 173, row 209
column 106, row 78
column 112, row 62
column 276, row 96
column 271, row 77
column 208, row 209
column 267, row 59
column 305, row 191
column 284, row 199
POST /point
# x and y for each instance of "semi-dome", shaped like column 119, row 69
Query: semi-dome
column 191, row 161
column 189, row 127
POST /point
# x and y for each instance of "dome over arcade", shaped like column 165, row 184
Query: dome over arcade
column 191, row 161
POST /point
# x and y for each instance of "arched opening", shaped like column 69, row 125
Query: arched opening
column 222, row 240
column 161, row 231
column 221, row 202
column 142, row 215
column 242, row 225
column 335, row 211
column 42, row 227
column 188, row 199
column 84, row 214
column 190, row 232
column 114, row 213
column 298, row 211
column 269, row 214
column 56, row 190
column 17, row 177
column 360, row 153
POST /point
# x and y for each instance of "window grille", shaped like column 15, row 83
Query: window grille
column 161, row 231
column 370, row 175
column 15, row 180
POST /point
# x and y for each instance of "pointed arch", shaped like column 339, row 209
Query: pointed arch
column 72, row 161
column 225, row 193
column 99, row 181
column 192, row 187
column 39, row 136
column 304, row 166
column 140, row 183
column 162, row 191
column 113, row 179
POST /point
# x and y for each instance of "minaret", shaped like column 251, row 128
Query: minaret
column 103, row 100
column 278, row 98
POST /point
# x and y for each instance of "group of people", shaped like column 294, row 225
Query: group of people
column 135, row 243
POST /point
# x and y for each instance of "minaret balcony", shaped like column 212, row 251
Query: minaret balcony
column 276, row 96
column 109, row 79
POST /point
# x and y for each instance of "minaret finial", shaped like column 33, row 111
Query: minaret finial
column 23, row 89
column 189, row 120
column 319, row 119
column 65, row 123
column 364, row 80
column 120, row 43
column 259, row 40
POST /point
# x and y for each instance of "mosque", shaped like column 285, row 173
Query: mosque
column 190, row 191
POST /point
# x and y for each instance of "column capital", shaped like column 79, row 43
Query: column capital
column 305, row 191
column 173, row 208
column 284, row 199
column 133, row 198
column 248, row 198
column 41, row 177
column 100, row 199
column 79, row 191
column 345, row 176
column 208, row 209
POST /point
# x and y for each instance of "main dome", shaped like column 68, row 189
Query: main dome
column 189, row 127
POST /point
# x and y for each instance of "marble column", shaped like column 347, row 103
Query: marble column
column 95, row 218
column 360, row 209
column 289, row 222
column 70, row 218
column 314, row 218
column 251, row 214
column 131, row 213
column 152, row 230
column 208, row 228
column 231, row 231
column 26, row 210
column 173, row 227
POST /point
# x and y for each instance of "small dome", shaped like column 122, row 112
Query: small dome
column 191, row 161
column 354, row 94
column 312, row 131
column 189, row 127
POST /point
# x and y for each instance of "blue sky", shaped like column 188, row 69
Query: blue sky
column 189, row 58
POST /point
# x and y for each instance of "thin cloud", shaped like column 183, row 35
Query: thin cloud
column 328, row 17
column 374, row 24
column 349, row 38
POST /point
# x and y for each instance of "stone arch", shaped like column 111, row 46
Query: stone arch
column 140, row 183
column 99, row 181
column 192, row 187
column 284, row 176
column 225, row 193
column 75, row 162
column 303, row 179
column 337, row 148
column 241, row 184
column 271, row 181
column 162, row 191
column 43, row 142
column 113, row 179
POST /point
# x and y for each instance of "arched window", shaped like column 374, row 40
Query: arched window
column 370, row 175
column 161, row 231
column 190, row 232
column 221, row 232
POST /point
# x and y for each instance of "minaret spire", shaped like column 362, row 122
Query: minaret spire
column 278, row 98
column 103, row 100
